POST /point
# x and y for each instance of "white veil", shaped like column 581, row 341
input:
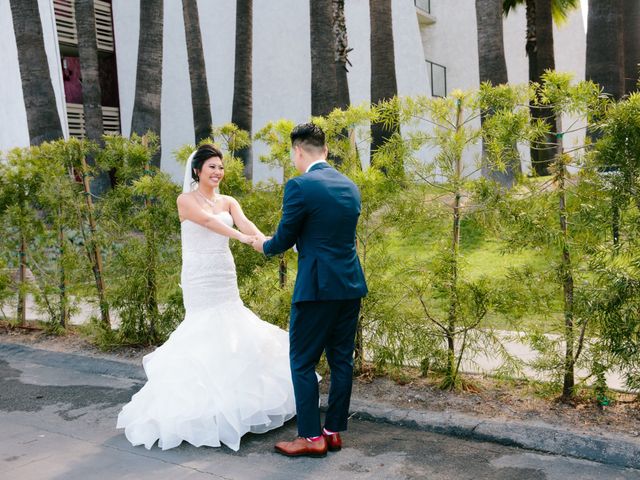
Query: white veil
column 188, row 184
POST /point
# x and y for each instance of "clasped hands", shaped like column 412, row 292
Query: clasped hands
column 256, row 241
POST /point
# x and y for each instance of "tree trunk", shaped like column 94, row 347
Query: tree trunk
column 341, row 53
column 358, row 350
column 545, row 59
column 493, row 68
column 530, row 45
column 631, row 9
column 541, row 58
column 39, row 98
column 361, row 246
column 146, row 107
column 91, row 92
column 492, row 63
column 453, row 317
column 566, row 274
column 383, row 69
column 22, row 281
column 242, row 112
column 324, row 89
column 282, row 272
column 200, row 102
column 151, row 300
column 62, row 285
column 605, row 46
column 93, row 249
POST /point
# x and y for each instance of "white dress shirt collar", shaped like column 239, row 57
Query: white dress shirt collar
column 314, row 163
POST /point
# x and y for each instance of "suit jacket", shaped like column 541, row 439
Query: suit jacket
column 319, row 215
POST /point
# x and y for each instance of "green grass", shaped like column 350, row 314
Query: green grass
column 482, row 256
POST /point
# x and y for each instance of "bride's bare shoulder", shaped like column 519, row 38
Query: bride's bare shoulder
column 228, row 199
column 185, row 197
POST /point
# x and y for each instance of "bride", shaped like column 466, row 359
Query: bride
column 223, row 372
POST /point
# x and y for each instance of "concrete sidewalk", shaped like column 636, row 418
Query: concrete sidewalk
column 69, row 370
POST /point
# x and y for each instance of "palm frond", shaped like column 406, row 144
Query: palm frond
column 560, row 9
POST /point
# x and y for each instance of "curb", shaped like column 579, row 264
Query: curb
column 537, row 436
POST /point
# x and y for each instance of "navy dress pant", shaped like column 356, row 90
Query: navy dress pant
column 318, row 326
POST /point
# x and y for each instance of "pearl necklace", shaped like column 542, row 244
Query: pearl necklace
column 210, row 202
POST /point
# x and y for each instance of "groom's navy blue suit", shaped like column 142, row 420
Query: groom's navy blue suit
column 320, row 214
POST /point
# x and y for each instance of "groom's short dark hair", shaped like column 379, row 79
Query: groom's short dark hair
column 308, row 134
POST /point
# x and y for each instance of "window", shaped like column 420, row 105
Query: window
column 438, row 77
column 424, row 5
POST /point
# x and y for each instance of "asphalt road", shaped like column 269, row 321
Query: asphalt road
column 57, row 421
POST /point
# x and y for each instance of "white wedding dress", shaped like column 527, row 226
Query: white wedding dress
column 223, row 372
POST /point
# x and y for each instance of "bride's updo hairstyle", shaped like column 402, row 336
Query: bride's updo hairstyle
column 204, row 153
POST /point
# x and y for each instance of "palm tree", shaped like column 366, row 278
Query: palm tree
column 383, row 68
column 544, row 56
column 493, row 68
column 560, row 9
column 242, row 111
column 539, row 47
column 324, row 88
column 200, row 102
column 631, row 9
column 341, row 53
column 146, row 106
column 91, row 91
column 543, row 59
column 39, row 98
column 605, row 46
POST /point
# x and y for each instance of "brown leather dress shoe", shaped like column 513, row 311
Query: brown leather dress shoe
column 334, row 442
column 301, row 447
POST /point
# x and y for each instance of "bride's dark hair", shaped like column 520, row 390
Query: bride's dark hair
column 204, row 153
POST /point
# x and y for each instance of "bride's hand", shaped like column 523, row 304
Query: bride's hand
column 247, row 239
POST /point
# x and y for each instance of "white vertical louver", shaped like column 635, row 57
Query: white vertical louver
column 66, row 23
column 104, row 26
column 75, row 117
column 111, row 120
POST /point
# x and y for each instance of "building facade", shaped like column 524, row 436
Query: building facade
column 435, row 52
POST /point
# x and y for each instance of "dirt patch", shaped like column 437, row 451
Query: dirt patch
column 485, row 397
column 508, row 400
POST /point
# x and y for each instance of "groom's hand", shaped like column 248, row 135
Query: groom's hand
column 247, row 239
column 258, row 244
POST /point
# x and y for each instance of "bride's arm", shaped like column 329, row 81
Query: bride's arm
column 189, row 209
column 240, row 219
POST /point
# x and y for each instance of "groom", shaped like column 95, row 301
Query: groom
column 319, row 215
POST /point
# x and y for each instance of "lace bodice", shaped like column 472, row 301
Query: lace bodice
column 208, row 271
column 198, row 239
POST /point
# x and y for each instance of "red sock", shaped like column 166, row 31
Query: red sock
column 328, row 432
column 314, row 439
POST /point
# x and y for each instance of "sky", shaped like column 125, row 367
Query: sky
column 585, row 9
